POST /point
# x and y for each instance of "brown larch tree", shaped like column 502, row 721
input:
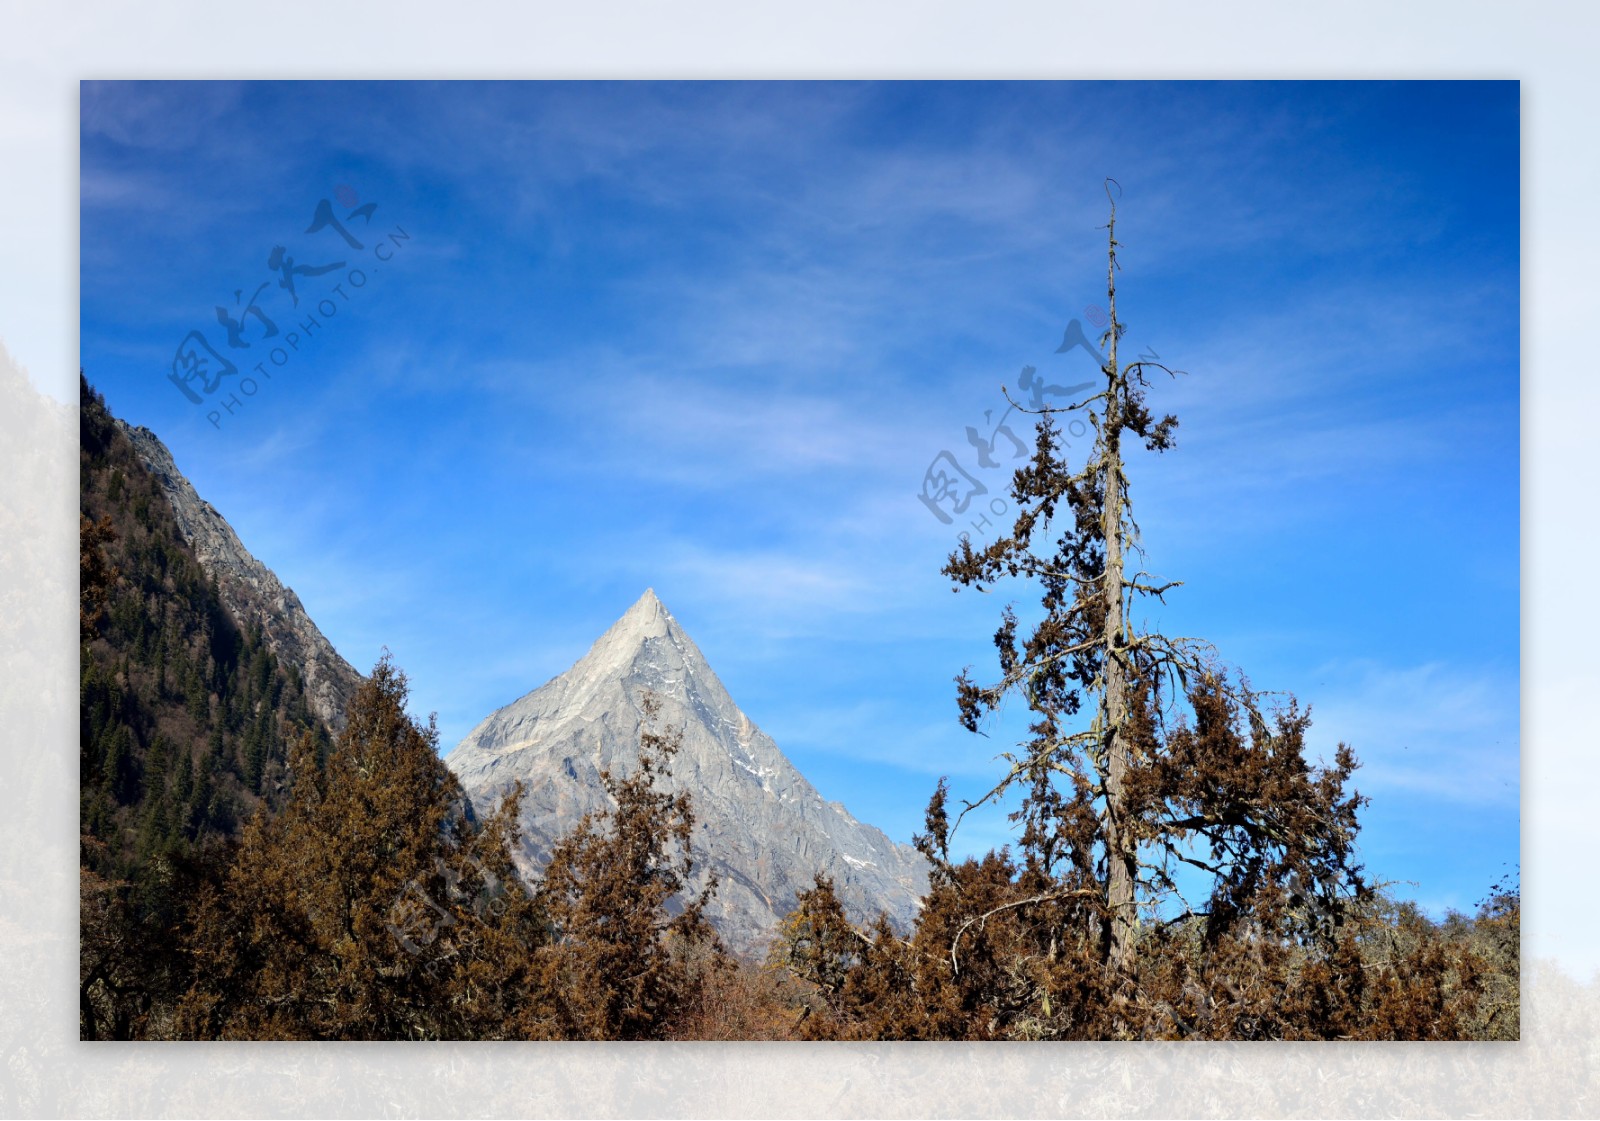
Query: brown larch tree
column 374, row 906
column 627, row 940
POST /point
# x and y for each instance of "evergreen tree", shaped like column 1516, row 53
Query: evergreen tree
column 118, row 765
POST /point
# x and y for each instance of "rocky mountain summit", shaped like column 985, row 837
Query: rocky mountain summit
column 249, row 589
column 759, row 825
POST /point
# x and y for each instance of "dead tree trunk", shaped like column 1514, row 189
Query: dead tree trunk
column 1121, row 846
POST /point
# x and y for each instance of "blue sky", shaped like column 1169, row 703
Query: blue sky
column 708, row 337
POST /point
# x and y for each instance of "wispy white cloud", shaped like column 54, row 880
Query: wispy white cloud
column 160, row 116
column 728, row 434
column 1439, row 732
column 883, row 732
column 775, row 594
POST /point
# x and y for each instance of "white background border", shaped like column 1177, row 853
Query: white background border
column 46, row 48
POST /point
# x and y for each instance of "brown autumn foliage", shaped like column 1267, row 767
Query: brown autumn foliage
column 374, row 906
column 627, row 954
column 371, row 907
column 733, row 1000
column 987, row 962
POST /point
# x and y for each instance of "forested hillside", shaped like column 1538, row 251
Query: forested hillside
column 185, row 718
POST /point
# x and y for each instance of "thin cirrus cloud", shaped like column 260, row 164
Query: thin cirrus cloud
column 1436, row 731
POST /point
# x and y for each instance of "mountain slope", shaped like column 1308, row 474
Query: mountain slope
column 760, row 826
column 185, row 713
column 249, row 589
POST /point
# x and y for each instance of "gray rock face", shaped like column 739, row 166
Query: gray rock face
column 249, row 590
column 759, row 825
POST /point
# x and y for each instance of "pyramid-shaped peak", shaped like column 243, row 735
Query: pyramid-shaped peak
column 645, row 648
column 641, row 626
column 647, row 618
